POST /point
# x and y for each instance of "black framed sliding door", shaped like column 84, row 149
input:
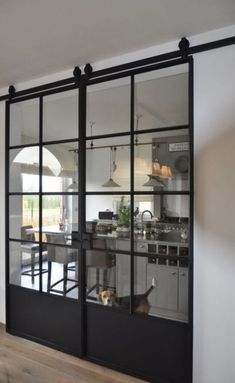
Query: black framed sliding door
column 99, row 219
column 139, row 208
column 43, row 219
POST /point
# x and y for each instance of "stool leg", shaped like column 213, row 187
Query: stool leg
column 97, row 281
column 65, row 279
column 49, row 277
column 105, row 279
column 33, row 265
column 21, row 259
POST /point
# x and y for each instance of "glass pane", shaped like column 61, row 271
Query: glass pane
column 24, row 217
column 24, row 264
column 60, row 116
column 161, row 288
column 59, row 217
column 161, row 220
column 108, row 279
column 24, row 170
column 108, row 218
column 62, row 265
column 108, row 107
column 161, row 98
column 24, row 122
column 162, row 161
column 60, row 168
column 108, row 164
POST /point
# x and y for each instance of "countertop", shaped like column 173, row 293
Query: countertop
column 170, row 238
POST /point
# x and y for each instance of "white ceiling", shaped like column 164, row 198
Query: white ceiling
column 39, row 37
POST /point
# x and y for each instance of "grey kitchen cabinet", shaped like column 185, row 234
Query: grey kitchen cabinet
column 165, row 295
column 140, row 275
column 183, row 290
column 123, row 271
column 170, row 297
column 122, row 268
column 123, row 275
column 123, row 244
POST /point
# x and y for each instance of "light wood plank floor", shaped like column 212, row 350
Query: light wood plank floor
column 22, row 361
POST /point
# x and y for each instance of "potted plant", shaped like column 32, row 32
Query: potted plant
column 124, row 212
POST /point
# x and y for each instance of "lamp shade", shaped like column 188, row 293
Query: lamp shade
column 156, row 168
column 153, row 181
column 73, row 186
column 166, row 172
column 111, row 184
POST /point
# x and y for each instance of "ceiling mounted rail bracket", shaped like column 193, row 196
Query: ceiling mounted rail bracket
column 88, row 70
column 184, row 45
column 77, row 74
column 11, row 91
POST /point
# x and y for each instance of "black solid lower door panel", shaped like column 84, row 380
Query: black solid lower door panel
column 156, row 349
column 48, row 319
column 152, row 348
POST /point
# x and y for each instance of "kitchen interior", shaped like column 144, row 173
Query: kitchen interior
column 160, row 189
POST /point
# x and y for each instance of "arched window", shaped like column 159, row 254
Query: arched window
column 26, row 162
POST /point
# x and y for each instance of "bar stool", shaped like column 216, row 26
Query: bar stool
column 101, row 261
column 64, row 256
column 32, row 249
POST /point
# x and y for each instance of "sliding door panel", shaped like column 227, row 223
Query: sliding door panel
column 138, row 199
column 43, row 217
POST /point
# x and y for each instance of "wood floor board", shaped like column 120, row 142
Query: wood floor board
column 23, row 361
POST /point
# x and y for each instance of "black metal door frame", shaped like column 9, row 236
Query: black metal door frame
column 83, row 307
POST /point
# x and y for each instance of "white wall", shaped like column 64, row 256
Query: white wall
column 2, row 213
column 214, row 294
column 214, row 301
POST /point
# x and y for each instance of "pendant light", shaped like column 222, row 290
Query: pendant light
column 166, row 172
column 154, row 181
column 162, row 171
column 156, row 167
column 141, row 165
column 159, row 171
column 73, row 187
column 111, row 183
column 91, row 123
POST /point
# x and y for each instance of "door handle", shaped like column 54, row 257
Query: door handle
column 86, row 240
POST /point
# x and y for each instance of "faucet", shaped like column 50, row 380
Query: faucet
column 142, row 219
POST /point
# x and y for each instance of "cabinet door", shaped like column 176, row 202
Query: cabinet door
column 122, row 269
column 140, row 275
column 183, row 290
column 164, row 296
column 123, row 245
column 123, row 275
